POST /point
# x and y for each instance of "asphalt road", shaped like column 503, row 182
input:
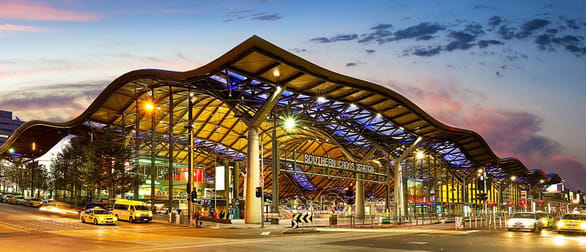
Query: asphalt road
column 25, row 229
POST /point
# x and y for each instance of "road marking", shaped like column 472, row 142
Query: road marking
column 472, row 231
column 205, row 245
column 265, row 233
column 418, row 243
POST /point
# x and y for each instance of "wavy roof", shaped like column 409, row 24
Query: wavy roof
column 340, row 116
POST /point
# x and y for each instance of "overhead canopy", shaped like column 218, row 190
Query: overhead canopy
column 337, row 116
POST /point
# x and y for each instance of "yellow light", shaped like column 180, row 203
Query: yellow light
column 290, row 123
column 379, row 115
column 561, row 224
column 513, row 178
column 583, row 226
column 276, row 73
column 149, row 106
column 34, row 146
column 352, row 105
column 541, row 181
column 480, row 170
column 321, row 99
column 419, row 155
column 11, row 150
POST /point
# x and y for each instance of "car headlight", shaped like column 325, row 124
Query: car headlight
column 583, row 225
column 543, row 221
column 150, row 214
column 561, row 224
column 101, row 218
column 510, row 222
column 137, row 215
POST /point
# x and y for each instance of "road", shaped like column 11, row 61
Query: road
column 25, row 229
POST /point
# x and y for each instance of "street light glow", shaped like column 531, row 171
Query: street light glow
column 34, row 146
column 276, row 73
column 419, row 155
column 149, row 106
column 290, row 123
column 541, row 181
column 11, row 150
column 321, row 99
column 513, row 178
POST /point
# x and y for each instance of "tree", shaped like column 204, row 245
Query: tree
column 109, row 160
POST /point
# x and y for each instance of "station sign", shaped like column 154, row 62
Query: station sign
column 337, row 163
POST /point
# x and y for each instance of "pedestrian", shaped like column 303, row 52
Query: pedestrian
column 196, row 215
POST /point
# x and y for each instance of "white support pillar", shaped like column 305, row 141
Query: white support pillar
column 359, row 196
column 253, row 204
column 399, row 193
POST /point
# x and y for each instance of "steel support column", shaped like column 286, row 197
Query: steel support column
column 253, row 204
column 276, row 167
column 359, row 196
column 399, row 193
column 190, row 186
column 171, row 171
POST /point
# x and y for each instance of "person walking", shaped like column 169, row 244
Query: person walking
column 196, row 216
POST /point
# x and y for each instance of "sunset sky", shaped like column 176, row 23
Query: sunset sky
column 513, row 71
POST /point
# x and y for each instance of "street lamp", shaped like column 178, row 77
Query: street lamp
column 33, row 147
column 290, row 123
column 419, row 155
column 149, row 107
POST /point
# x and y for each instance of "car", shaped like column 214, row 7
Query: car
column 97, row 216
column 33, row 202
column 545, row 219
column 60, row 208
column 19, row 200
column 572, row 222
column 11, row 199
column 5, row 198
column 132, row 210
column 525, row 221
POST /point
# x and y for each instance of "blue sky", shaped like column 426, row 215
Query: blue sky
column 510, row 70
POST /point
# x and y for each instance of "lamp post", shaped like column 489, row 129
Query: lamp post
column 513, row 178
column 150, row 108
column 33, row 147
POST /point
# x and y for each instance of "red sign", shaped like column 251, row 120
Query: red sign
column 540, row 203
column 510, row 203
column 491, row 203
column 198, row 175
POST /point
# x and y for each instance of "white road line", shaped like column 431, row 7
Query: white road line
column 418, row 243
column 205, row 245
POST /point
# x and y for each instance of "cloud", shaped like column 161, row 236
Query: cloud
column 16, row 10
column 252, row 15
column 482, row 6
column 354, row 63
column 266, row 17
column 339, row 37
column 494, row 21
column 510, row 133
column 530, row 26
column 426, row 52
column 370, row 51
column 20, row 28
column 379, row 33
column 58, row 102
column 422, row 29
column 486, row 43
column 460, row 41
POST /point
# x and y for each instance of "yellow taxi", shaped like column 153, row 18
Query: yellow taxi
column 545, row 219
column 572, row 222
column 97, row 216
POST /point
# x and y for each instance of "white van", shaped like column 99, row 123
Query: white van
column 132, row 211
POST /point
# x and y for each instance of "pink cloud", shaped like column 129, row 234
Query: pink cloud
column 20, row 28
column 41, row 12
column 510, row 133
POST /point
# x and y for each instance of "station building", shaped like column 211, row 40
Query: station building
column 260, row 116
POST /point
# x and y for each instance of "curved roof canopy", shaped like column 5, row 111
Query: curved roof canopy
column 337, row 116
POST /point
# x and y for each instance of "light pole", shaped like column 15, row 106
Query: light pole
column 150, row 108
column 511, row 197
column 34, row 147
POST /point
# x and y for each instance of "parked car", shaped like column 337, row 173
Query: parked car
column 32, row 202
